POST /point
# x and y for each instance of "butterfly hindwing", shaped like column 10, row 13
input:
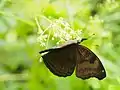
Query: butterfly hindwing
column 61, row 62
column 88, row 64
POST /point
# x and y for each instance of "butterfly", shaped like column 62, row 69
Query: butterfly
column 63, row 60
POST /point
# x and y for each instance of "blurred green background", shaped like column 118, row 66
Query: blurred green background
column 29, row 26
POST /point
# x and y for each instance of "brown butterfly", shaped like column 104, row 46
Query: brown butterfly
column 62, row 61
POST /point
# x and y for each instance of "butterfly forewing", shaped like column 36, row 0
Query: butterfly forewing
column 61, row 62
column 88, row 64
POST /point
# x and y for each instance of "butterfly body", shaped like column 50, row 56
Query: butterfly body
column 62, row 61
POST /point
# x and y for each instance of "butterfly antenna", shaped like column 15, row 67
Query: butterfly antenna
column 83, row 39
column 47, row 50
column 91, row 36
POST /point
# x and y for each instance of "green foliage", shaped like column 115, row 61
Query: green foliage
column 29, row 26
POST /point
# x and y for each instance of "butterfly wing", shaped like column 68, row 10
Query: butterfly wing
column 88, row 64
column 61, row 62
